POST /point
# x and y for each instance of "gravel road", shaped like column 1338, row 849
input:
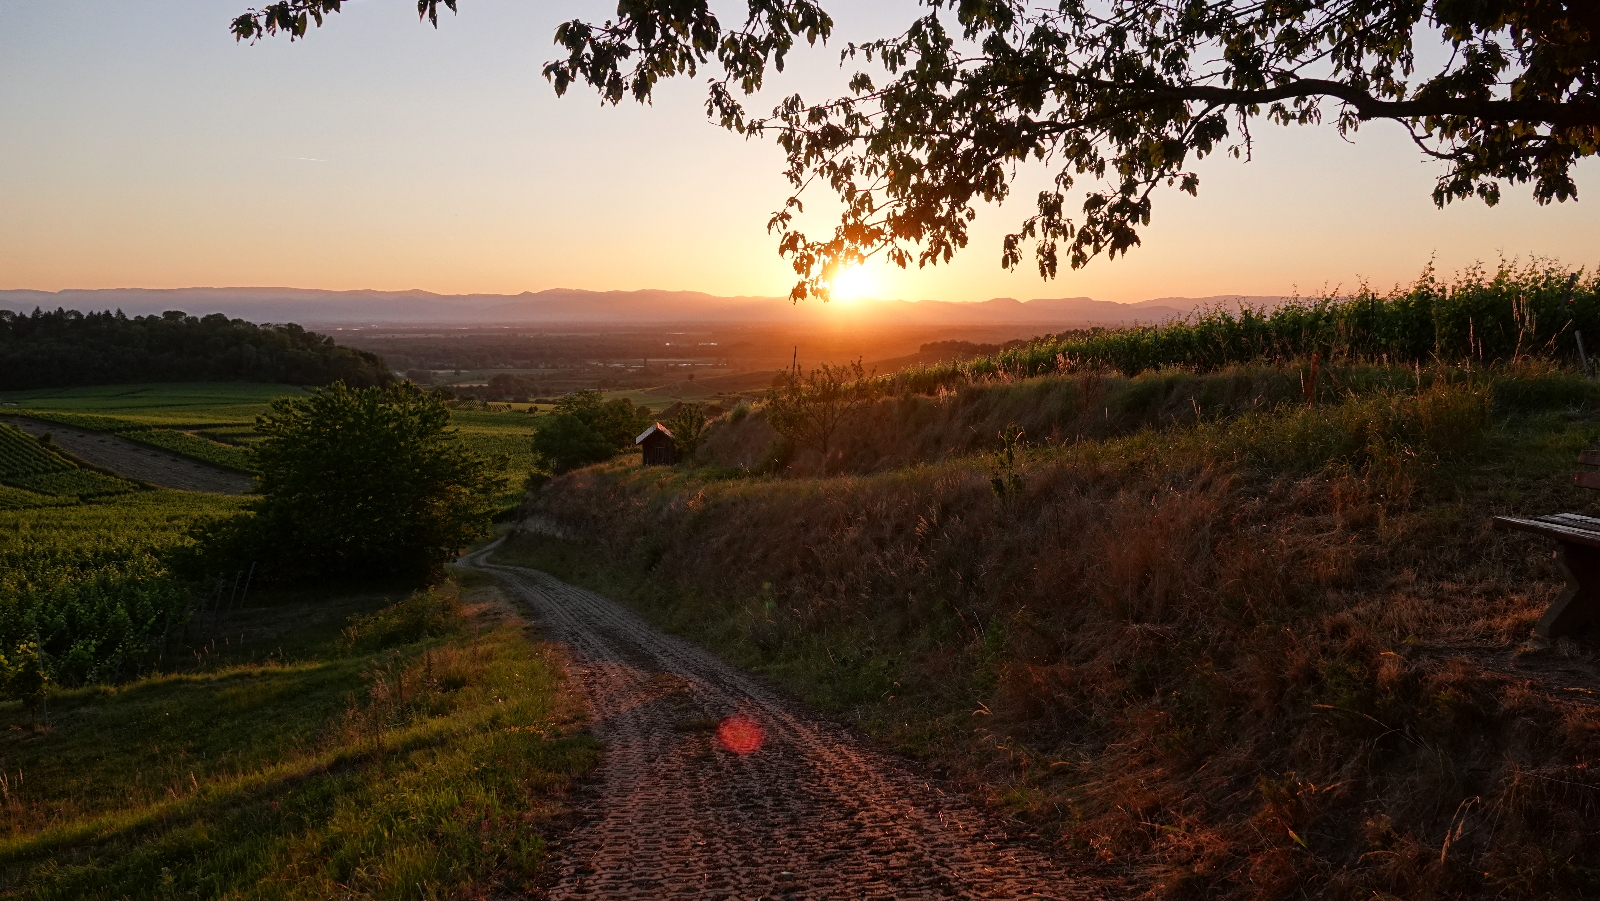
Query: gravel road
column 137, row 461
column 714, row 786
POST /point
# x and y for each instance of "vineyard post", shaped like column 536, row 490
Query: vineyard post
column 166, row 626
column 44, row 694
column 247, row 577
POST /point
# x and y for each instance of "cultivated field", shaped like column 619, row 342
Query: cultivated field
column 215, row 423
column 135, row 460
column 82, row 552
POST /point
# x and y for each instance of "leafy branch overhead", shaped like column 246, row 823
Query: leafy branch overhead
column 1118, row 98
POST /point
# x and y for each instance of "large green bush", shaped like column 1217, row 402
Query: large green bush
column 368, row 482
column 585, row 429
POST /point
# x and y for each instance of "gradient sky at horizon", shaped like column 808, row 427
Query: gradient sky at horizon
column 151, row 150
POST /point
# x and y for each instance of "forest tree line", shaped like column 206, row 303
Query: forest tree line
column 64, row 348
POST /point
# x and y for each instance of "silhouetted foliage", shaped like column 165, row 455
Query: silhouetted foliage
column 66, row 347
column 1117, row 96
column 357, row 482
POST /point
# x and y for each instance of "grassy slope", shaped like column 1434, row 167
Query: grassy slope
column 1258, row 654
column 428, row 768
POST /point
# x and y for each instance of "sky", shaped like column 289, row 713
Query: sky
column 151, row 150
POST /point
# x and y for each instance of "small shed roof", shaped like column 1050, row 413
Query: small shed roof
column 655, row 429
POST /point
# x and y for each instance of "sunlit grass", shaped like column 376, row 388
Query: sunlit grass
column 423, row 770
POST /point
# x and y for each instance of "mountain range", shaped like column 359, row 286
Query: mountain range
column 566, row 306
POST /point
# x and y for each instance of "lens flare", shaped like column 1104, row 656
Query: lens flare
column 741, row 735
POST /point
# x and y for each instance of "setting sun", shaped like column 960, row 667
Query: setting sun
column 854, row 283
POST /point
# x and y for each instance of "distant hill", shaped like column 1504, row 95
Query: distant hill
column 571, row 306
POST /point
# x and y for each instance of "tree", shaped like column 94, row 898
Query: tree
column 585, row 429
column 368, row 481
column 564, row 442
column 807, row 408
column 1122, row 93
column 688, row 427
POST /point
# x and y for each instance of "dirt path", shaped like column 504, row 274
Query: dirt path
column 813, row 813
column 135, row 460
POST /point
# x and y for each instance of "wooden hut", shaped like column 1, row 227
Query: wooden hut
column 660, row 449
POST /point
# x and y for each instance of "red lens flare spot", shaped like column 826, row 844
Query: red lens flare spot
column 741, row 735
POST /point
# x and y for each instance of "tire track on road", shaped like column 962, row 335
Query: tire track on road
column 814, row 813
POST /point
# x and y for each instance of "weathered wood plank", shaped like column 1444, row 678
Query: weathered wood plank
column 1576, row 520
column 1544, row 526
column 1589, row 457
column 1590, row 480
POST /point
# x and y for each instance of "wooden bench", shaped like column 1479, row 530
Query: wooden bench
column 1577, row 538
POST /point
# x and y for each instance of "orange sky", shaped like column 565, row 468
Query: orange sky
column 154, row 152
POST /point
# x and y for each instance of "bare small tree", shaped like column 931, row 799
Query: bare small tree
column 807, row 408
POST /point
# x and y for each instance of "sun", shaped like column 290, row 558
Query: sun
column 854, row 283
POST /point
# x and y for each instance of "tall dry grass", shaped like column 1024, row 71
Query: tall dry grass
column 1061, row 410
column 1532, row 310
column 1260, row 656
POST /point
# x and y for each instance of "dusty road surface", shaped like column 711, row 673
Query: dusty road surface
column 713, row 786
column 135, row 460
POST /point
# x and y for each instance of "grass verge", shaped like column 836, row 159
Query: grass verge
column 414, row 750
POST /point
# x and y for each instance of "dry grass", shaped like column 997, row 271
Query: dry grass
column 1060, row 410
column 1254, row 657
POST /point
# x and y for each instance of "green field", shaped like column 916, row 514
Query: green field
column 215, row 422
column 211, row 422
column 81, row 552
column 495, row 434
column 185, row 405
column 86, row 582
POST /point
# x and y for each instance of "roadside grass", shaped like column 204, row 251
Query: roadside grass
column 351, row 747
column 1261, row 655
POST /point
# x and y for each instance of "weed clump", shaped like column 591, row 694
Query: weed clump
column 425, row 614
